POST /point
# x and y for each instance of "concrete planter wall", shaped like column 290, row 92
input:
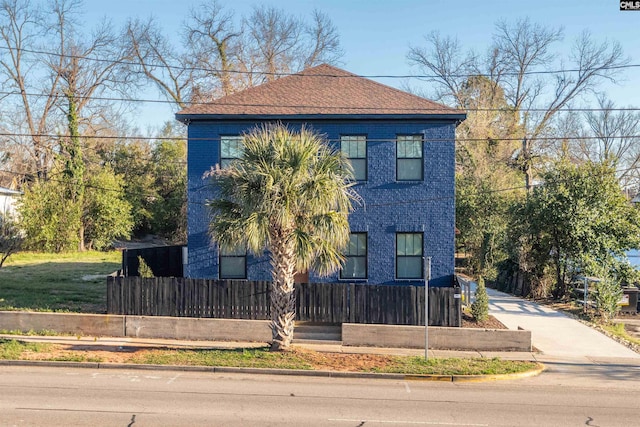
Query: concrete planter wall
column 187, row 328
column 190, row 328
column 63, row 323
column 439, row 338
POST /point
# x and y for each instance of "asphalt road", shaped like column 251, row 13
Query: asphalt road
column 567, row 395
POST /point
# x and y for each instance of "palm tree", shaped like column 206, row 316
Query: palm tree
column 290, row 194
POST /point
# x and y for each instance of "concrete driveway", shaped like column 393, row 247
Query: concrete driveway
column 555, row 335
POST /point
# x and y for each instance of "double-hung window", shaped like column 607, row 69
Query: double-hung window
column 230, row 149
column 355, row 148
column 355, row 266
column 233, row 262
column 409, row 256
column 409, row 158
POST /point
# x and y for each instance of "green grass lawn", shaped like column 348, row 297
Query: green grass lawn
column 76, row 282
column 262, row 358
column 73, row 282
column 619, row 330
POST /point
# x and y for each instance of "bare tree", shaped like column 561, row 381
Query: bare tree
column 278, row 43
column 221, row 55
column 159, row 61
column 616, row 140
column 86, row 68
column 35, row 94
column 517, row 55
column 520, row 49
column 274, row 40
column 446, row 64
column 323, row 41
column 215, row 46
column 45, row 59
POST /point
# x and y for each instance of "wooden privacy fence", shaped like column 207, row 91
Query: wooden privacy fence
column 315, row 302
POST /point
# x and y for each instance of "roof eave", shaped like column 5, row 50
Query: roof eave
column 186, row 118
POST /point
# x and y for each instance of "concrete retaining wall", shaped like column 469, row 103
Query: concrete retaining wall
column 259, row 331
column 64, row 323
column 439, row 338
column 137, row 326
column 189, row 328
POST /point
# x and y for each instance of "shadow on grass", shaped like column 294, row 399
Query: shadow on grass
column 55, row 286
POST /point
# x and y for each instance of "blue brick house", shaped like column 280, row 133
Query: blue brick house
column 402, row 148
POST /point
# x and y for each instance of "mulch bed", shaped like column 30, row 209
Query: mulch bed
column 491, row 322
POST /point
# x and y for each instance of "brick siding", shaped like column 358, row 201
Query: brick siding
column 389, row 206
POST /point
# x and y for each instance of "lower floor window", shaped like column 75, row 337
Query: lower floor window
column 233, row 263
column 409, row 256
column 355, row 266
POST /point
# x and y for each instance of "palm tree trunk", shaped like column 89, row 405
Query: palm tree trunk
column 283, row 308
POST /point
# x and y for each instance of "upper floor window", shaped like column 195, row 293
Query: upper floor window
column 230, row 149
column 409, row 256
column 355, row 148
column 355, row 266
column 233, row 262
column 409, row 158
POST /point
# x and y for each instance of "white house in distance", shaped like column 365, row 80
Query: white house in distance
column 8, row 201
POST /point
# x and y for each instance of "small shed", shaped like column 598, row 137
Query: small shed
column 8, row 201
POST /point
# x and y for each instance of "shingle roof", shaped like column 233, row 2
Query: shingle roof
column 320, row 91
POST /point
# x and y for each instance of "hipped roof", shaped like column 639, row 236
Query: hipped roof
column 320, row 92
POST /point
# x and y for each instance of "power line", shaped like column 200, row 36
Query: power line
column 217, row 139
column 108, row 137
column 498, row 190
column 333, row 107
column 123, row 191
column 394, row 203
column 452, row 197
column 283, row 74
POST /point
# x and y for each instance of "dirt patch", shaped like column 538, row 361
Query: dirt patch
column 115, row 354
column 86, row 353
column 344, row 362
column 491, row 322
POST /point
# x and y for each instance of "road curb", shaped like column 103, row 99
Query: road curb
column 270, row 371
column 476, row 378
column 499, row 377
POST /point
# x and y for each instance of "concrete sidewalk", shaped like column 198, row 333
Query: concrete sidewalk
column 557, row 336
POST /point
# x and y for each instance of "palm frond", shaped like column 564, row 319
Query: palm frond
column 292, row 182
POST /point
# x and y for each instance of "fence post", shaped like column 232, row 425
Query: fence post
column 125, row 262
column 427, row 276
column 586, row 291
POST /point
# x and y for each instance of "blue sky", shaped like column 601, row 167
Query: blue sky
column 376, row 34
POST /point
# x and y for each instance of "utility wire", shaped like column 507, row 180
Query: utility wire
column 121, row 191
column 390, row 140
column 217, row 139
column 498, row 190
column 394, row 203
column 332, row 107
column 283, row 74
column 452, row 197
